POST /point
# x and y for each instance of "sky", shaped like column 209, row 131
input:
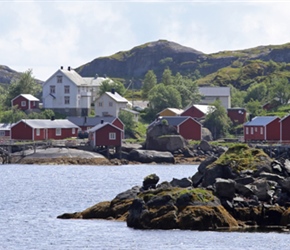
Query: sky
column 43, row 35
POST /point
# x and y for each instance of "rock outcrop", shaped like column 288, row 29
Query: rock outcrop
column 241, row 189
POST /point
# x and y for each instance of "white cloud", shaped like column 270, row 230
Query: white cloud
column 46, row 35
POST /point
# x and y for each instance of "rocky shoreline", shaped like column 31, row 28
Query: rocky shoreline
column 241, row 189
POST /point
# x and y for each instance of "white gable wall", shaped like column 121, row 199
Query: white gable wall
column 105, row 105
column 49, row 102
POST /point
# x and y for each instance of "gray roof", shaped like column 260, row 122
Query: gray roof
column 215, row 91
column 90, row 121
column 117, row 97
column 46, row 123
column 83, row 81
column 261, row 120
column 99, row 126
column 5, row 126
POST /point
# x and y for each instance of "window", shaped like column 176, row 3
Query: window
column 66, row 89
column 58, row 131
column 66, row 100
column 110, row 104
column 252, row 131
column 73, row 131
column 38, row 132
column 100, row 104
column 256, row 129
column 2, row 133
column 23, row 103
column 261, row 130
column 59, row 79
column 247, row 130
column 112, row 136
column 52, row 89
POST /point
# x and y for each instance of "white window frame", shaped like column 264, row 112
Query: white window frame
column 261, row 130
column 66, row 100
column 252, row 130
column 247, row 130
column 58, row 131
column 23, row 103
column 112, row 136
column 73, row 130
column 100, row 104
column 38, row 132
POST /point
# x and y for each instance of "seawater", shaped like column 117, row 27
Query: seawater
column 33, row 196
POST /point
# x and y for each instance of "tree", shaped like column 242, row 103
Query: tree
column 237, row 97
column 217, row 121
column 187, row 88
column 258, row 91
column 128, row 119
column 167, row 78
column 12, row 115
column 161, row 97
column 280, row 90
column 25, row 85
column 108, row 85
column 149, row 83
column 254, row 107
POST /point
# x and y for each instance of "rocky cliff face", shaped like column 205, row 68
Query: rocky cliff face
column 7, row 74
column 161, row 54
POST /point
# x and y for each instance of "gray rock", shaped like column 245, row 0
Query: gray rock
column 287, row 166
column 163, row 137
column 183, row 183
column 205, row 146
column 202, row 166
column 243, row 190
column 150, row 181
column 196, row 179
column 217, row 171
column 148, row 156
column 260, row 188
column 225, row 188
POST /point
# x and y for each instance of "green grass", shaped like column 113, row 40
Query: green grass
column 242, row 157
column 197, row 194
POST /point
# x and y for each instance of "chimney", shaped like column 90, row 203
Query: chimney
column 61, row 67
column 113, row 91
column 96, row 76
column 68, row 68
column 52, row 118
column 102, row 121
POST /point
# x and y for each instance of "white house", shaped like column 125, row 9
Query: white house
column 69, row 93
column 211, row 94
column 110, row 103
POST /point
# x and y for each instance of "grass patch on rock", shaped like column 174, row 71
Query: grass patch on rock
column 242, row 157
column 197, row 194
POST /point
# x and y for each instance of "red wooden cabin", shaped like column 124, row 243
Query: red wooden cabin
column 25, row 102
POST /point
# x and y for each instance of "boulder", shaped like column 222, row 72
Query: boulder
column 217, row 171
column 205, row 146
column 149, row 156
column 150, row 181
column 225, row 188
column 164, row 137
column 184, row 182
column 206, row 218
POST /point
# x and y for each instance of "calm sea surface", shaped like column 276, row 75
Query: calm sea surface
column 33, row 196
